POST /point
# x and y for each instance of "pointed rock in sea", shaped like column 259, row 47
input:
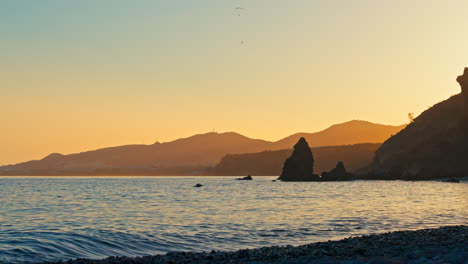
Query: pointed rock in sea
column 300, row 166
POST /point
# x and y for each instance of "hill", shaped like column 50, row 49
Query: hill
column 348, row 133
column 179, row 155
column 434, row 146
column 271, row 162
column 188, row 155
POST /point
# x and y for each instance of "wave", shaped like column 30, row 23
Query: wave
column 30, row 246
column 33, row 246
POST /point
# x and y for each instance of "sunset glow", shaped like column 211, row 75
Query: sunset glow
column 83, row 75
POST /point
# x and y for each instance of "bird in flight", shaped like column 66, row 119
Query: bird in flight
column 239, row 9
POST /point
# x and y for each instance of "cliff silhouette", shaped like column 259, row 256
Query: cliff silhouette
column 434, row 146
column 188, row 156
column 270, row 163
column 348, row 133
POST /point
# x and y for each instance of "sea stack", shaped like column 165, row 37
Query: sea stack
column 300, row 166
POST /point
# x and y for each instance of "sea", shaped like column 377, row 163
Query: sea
column 61, row 218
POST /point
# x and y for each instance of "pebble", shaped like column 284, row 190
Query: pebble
column 441, row 245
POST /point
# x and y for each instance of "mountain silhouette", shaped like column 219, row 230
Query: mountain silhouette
column 434, row 146
column 189, row 154
column 348, row 133
column 270, row 163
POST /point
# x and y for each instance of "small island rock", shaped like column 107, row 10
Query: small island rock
column 455, row 180
column 339, row 173
column 300, row 166
column 246, row 178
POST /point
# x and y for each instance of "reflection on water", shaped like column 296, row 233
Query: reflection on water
column 60, row 218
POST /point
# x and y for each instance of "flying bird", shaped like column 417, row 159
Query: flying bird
column 239, row 9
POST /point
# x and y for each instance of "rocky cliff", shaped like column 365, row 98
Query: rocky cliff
column 434, row 146
column 270, row 163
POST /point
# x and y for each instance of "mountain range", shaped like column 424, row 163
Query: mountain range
column 193, row 154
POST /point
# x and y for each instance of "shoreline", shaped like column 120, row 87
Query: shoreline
column 448, row 244
column 462, row 179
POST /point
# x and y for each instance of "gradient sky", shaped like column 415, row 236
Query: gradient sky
column 81, row 75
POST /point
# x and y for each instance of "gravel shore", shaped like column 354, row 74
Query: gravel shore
column 441, row 245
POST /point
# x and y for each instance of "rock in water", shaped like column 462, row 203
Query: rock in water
column 339, row 173
column 300, row 166
column 452, row 180
column 246, row 178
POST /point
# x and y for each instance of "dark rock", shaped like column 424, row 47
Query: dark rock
column 246, row 178
column 198, row 185
column 270, row 162
column 339, row 173
column 434, row 146
column 300, row 166
column 463, row 81
column 452, row 180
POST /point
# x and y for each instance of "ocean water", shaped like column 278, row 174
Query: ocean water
column 49, row 219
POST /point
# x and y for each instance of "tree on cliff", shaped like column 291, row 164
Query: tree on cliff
column 411, row 117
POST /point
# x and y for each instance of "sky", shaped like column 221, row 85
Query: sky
column 82, row 75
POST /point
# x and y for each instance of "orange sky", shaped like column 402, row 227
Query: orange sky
column 85, row 75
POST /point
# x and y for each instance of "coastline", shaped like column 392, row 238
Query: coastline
column 463, row 179
column 447, row 244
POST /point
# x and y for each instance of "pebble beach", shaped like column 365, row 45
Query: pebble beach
column 441, row 245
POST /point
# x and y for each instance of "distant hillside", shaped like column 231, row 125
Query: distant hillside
column 434, row 146
column 193, row 152
column 189, row 154
column 271, row 162
column 349, row 133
